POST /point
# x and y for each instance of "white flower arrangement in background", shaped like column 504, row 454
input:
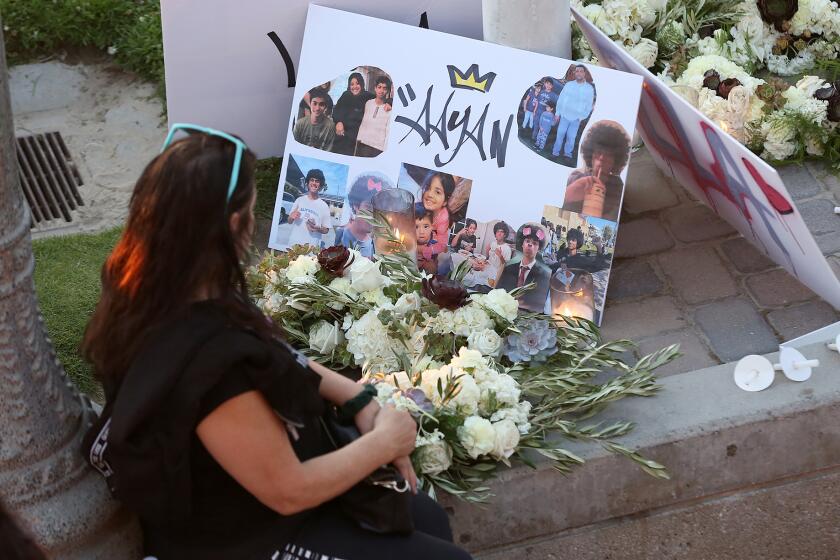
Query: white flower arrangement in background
column 756, row 42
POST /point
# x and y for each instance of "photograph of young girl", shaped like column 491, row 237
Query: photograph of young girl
column 357, row 233
column 441, row 202
column 487, row 247
column 357, row 123
column 595, row 189
column 579, row 247
column 554, row 111
column 313, row 202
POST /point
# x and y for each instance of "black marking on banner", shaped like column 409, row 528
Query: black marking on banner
column 287, row 58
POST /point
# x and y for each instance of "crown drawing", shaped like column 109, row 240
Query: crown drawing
column 470, row 79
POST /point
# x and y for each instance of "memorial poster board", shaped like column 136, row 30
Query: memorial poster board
column 516, row 161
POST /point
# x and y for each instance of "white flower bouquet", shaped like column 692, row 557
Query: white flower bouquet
column 765, row 70
column 485, row 382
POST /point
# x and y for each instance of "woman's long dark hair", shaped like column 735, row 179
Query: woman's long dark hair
column 177, row 241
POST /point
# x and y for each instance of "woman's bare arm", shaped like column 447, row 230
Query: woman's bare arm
column 249, row 440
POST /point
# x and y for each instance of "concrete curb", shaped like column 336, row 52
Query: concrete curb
column 715, row 439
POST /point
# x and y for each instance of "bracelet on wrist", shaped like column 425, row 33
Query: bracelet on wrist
column 353, row 406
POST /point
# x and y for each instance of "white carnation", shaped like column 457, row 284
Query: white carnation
column 302, row 269
column 518, row 414
column 779, row 139
column 477, row 436
column 444, row 322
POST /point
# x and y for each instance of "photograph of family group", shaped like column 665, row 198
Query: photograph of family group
column 553, row 113
column 349, row 115
column 439, row 212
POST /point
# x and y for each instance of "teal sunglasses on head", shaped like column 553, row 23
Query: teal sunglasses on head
column 237, row 159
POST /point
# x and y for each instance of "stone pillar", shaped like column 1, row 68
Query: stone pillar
column 533, row 25
column 43, row 476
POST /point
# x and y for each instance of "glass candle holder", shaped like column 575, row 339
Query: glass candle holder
column 396, row 206
column 572, row 293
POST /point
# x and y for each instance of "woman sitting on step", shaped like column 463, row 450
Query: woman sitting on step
column 211, row 431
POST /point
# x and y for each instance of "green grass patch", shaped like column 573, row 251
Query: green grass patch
column 268, row 170
column 67, row 283
column 129, row 29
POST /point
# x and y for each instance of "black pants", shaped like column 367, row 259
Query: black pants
column 331, row 535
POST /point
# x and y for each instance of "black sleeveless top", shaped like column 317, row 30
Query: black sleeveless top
column 156, row 465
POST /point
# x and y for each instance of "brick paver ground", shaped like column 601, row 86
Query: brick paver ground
column 682, row 275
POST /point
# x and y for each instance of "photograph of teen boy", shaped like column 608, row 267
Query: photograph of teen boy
column 310, row 216
column 316, row 129
column 373, row 129
column 357, row 233
column 525, row 267
column 595, row 190
column 574, row 104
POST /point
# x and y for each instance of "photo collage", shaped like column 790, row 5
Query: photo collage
column 547, row 216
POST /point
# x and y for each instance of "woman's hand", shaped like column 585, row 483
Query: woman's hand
column 398, row 430
column 403, row 464
column 339, row 128
column 365, row 418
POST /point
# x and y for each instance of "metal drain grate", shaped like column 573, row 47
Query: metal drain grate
column 49, row 178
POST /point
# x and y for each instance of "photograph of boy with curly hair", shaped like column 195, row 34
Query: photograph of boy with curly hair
column 595, row 190
column 526, row 266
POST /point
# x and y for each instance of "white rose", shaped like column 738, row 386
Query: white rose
column 468, row 358
column 302, row 269
column 645, row 51
column 485, row 341
column 365, row 275
column 738, row 103
column 501, row 303
column 477, row 436
column 433, row 458
column 506, row 440
column 408, row 303
column 429, row 383
column 325, row 337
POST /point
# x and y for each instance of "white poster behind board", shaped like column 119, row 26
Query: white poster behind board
column 736, row 184
column 224, row 70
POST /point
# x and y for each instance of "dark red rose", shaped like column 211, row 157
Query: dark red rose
column 726, row 86
column 777, row 12
column 335, row 259
column 832, row 95
column 446, row 293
